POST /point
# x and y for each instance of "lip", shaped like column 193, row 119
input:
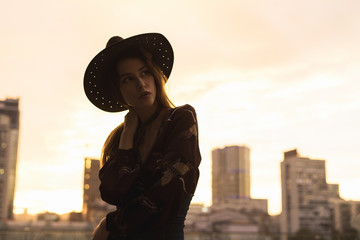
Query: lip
column 145, row 94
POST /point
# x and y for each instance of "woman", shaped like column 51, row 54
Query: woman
column 150, row 162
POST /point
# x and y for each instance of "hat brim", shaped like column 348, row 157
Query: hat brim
column 96, row 80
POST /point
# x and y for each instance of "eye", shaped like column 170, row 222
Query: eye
column 126, row 79
column 145, row 72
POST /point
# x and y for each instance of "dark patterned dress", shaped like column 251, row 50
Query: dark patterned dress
column 152, row 198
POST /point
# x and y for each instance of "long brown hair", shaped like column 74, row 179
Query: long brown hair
column 112, row 142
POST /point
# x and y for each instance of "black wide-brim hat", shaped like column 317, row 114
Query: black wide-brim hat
column 97, row 84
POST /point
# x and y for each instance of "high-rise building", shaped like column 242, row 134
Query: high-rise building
column 91, row 196
column 9, row 135
column 345, row 214
column 230, row 174
column 94, row 208
column 231, row 181
column 305, row 195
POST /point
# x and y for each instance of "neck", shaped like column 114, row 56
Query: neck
column 146, row 114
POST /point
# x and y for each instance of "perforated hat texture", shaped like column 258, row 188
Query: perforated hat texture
column 96, row 79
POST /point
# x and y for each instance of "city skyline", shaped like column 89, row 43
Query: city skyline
column 258, row 203
column 273, row 76
column 230, row 155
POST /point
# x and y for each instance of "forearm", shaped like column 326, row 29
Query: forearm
column 126, row 140
column 130, row 125
column 118, row 175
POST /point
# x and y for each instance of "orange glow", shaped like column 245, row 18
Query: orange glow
column 260, row 73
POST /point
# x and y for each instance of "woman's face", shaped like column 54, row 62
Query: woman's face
column 137, row 84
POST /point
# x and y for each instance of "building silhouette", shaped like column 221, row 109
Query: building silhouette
column 233, row 213
column 231, row 180
column 305, row 195
column 9, row 139
column 94, row 208
column 230, row 174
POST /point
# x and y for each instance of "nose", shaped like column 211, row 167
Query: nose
column 140, row 83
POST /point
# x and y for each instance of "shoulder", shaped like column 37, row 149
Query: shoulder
column 185, row 111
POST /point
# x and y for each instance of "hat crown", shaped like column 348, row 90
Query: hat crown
column 113, row 40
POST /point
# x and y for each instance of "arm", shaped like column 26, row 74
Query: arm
column 117, row 177
column 180, row 158
column 120, row 171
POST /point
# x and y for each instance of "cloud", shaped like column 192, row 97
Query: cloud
column 260, row 34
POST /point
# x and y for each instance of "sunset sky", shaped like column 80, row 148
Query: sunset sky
column 271, row 75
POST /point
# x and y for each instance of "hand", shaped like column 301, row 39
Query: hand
column 131, row 122
column 130, row 125
column 100, row 232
